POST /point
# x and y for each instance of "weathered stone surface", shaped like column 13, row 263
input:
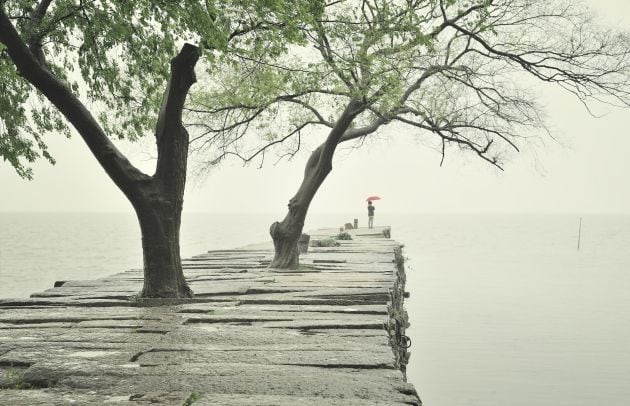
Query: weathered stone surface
column 330, row 333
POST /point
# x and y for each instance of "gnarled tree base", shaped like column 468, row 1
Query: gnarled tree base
column 286, row 247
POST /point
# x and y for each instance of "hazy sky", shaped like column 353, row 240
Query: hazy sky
column 588, row 173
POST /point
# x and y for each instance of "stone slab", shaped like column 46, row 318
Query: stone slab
column 325, row 334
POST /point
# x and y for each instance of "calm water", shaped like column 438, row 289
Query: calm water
column 504, row 309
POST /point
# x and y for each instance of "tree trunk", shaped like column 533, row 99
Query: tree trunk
column 285, row 245
column 285, row 234
column 159, row 202
column 163, row 276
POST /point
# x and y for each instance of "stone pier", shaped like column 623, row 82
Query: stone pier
column 330, row 333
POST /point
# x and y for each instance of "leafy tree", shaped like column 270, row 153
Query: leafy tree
column 456, row 71
column 101, row 67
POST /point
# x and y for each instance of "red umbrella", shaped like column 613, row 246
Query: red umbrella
column 369, row 199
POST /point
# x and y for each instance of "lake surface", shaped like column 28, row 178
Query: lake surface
column 504, row 309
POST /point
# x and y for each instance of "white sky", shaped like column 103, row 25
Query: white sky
column 589, row 174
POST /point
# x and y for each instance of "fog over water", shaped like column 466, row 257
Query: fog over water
column 504, row 309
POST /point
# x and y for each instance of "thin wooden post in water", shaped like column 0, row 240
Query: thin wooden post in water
column 579, row 234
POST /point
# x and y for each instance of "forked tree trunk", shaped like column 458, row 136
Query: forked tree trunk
column 285, row 234
column 159, row 202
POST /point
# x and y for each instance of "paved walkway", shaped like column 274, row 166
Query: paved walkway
column 252, row 335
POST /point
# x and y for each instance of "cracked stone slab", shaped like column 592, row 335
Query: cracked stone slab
column 253, row 335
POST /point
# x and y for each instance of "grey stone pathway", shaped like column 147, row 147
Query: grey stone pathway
column 331, row 333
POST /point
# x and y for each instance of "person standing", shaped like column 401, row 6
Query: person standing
column 370, row 208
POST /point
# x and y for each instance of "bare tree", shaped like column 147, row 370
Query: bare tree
column 456, row 70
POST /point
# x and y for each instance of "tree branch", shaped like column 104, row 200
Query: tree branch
column 171, row 136
column 33, row 36
column 122, row 172
column 456, row 138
